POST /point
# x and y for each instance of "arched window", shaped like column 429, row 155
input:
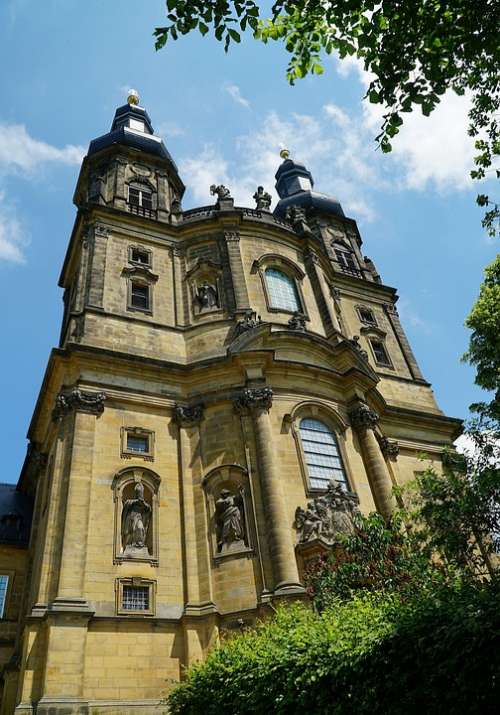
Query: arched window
column 282, row 291
column 322, row 454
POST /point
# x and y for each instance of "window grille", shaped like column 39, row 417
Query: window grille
column 138, row 256
column 139, row 296
column 322, row 454
column 4, row 584
column 347, row 262
column 135, row 598
column 366, row 316
column 282, row 291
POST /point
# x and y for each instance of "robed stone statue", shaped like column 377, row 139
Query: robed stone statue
column 136, row 518
column 229, row 521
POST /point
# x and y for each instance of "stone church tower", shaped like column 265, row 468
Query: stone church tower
column 230, row 384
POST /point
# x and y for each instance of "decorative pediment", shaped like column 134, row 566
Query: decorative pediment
column 373, row 330
column 140, row 272
column 204, row 267
column 275, row 260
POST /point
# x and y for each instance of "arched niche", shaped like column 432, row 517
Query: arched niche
column 230, row 511
column 135, row 494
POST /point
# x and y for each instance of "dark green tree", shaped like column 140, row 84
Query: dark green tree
column 415, row 50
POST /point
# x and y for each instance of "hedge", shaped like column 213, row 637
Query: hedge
column 377, row 654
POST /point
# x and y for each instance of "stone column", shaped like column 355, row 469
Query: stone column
column 286, row 575
column 85, row 406
column 364, row 419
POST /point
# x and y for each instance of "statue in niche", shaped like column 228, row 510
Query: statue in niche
column 136, row 517
column 207, row 296
column 229, row 521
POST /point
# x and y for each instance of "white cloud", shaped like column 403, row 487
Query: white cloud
column 20, row 151
column 169, row 129
column 21, row 154
column 235, row 92
column 12, row 235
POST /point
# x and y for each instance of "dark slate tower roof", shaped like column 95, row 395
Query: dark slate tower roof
column 294, row 184
column 15, row 516
column 132, row 127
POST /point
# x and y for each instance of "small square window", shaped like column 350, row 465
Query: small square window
column 134, row 196
column 366, row 316
column 4, row 585
column 137, row 442
column 140, row 256
column 139, row 296
column 135, row 596
column 380, row 353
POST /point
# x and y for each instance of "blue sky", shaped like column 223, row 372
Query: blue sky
column 67, row 66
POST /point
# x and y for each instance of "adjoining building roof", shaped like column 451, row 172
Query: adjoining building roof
column 16, row 510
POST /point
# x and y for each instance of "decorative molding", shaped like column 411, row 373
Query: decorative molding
column 101, row 230
column 254, row 398
column 79, row 401
column 391, row 308
column 335, row 293
column 143, row 272
column 188, row 415
column 388, row 447
column 363, row 417
column 232, row 236
column 297, row 322
column 354, row 342
column 373, row 330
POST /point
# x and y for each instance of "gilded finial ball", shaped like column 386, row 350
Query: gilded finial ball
column 284, row 153
column 133, row 97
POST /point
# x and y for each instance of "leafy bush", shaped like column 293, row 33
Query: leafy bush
column 379, row 654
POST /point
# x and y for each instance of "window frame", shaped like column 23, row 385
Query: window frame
column 291, row 271
column 143, row 284
column 146, row 251
column 142, row 189
column 135, row 582
column 9, row 575
column 336, row 424
column 127, row 453
column 368, row 323
column 389, row 364
column 332, row 433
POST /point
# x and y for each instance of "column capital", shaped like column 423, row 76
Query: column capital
column 362, row 416
column 188, row 415
column 389, row 447
column 232, row 235
column 254, row 398
column 77, row 400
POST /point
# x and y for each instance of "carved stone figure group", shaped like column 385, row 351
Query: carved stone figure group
column 328, row 515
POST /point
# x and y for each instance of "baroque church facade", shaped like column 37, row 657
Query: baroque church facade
column 230, row 385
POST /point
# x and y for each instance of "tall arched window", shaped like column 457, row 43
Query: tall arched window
column 282, row 291
column 322, row 454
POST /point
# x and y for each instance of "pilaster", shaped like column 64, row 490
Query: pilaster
column 97, row 266
column 238, row 278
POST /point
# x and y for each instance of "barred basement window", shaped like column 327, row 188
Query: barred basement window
column 322, row 454
column 282, row 291
column 139, row 296
column 135, row 598
column 380, row 353
column 4, row 585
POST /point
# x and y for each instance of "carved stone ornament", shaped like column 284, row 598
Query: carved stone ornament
column 221, row 191
column 327, row 516
column 188, row 416
column 297, row 217
column 336, row 294
column 363, row 417
column 136, row 518
column 254, row 398
column 391, row 308
column 389, row 447
column 297, row 322
column 230, row 522
column 207, row 296
column 262, row 199
column 249, row 321
column 354, row 341
column 80, row 401
column 101, row 230
column 37, row 458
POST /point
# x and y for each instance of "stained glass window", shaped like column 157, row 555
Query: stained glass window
column 282, row 291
